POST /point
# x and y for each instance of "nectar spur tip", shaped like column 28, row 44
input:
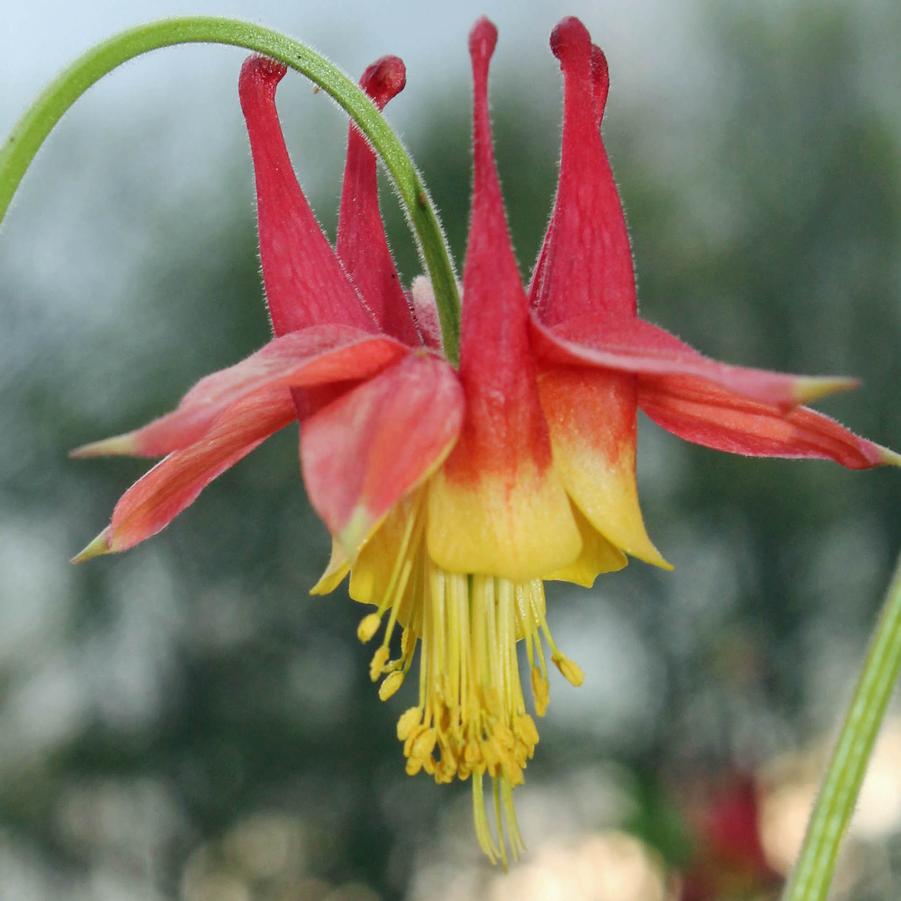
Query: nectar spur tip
column 483, row 37
column 384, row 79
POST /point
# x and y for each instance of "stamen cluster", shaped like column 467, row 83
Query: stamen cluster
column 470, row 719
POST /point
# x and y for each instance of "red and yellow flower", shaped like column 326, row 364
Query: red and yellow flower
column 453, row 493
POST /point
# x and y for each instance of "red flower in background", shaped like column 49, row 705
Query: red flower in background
column 729, row 859
column 452, row 494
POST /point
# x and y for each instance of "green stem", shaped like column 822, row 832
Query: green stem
column 37, row 123
column 813, row 871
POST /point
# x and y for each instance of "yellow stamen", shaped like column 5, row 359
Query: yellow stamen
column 408, row 722
column 471, row 719
column 541, row 691
column 368, row 627
column 377, row 664
column 391, row 684
column 571, row 670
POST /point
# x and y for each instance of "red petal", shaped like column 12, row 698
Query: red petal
column 497, row 506
column 361, row 454
column 707, row 415
column 634, row 345
column 305, row 283
column 320, row 355
column 586, row 260
column 503, row 414
column 175, row 482
column 362, row 246
column 600, row 87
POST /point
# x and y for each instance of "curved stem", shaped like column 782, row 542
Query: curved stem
column 813, row 871
column 37, row 123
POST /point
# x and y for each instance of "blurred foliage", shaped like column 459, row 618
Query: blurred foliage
column 186, row 720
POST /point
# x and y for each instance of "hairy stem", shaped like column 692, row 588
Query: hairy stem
column 814, row 869
column 37, row 123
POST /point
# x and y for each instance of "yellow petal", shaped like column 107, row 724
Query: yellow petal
column 598, row 556
column 387, row 568
column 517, row 525
column 371, row 575
column 338, row 567
column 592, row 420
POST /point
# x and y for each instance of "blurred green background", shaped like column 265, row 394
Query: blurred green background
column 184, row 721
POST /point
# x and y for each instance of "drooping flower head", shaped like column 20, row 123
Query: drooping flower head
column 453, row 494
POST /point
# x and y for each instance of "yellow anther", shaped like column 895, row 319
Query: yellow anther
column 500, row 751
column 424, row 744
column 504, row 737
column 368, row 627
column 415, row 732
column 390, row 685
column 512, row 771
column 490, row 756
column 571, row 670
column 541, row 691
column 377, row 665
column 450, row 757
column 525, row 728
column 414, row 765
column 523, row 753
column 408, row 721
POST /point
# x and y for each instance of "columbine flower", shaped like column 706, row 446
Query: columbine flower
column 452, row 494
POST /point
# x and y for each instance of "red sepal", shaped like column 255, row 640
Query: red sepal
column 636, row 346
column 497, row 506
column 707, row 415
column 361, row 454
column 317, row 356
column 362, row 246
column 504, row 422
column 175, row 482
column 305, row 283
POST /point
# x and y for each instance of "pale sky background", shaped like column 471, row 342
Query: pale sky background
column 170, row 122
column 37, row 39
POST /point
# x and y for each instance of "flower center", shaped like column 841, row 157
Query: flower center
column 471, row 718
